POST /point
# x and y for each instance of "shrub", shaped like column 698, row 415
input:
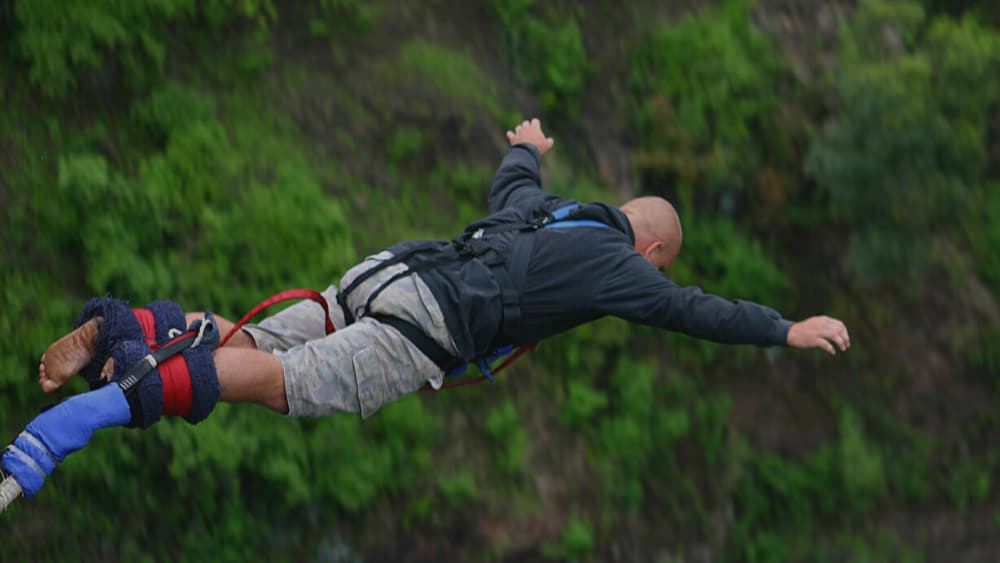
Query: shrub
column 503, row 424
column 575, row 543
column 705, row 89
column 60, row 38
column 861, row 466
column 903, row 157
column 547, row 53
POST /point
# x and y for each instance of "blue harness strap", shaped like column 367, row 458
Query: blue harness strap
column 559, row 220
column 577, row 223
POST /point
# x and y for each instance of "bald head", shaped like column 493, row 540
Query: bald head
column 657, row 228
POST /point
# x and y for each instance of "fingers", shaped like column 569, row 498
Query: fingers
column 837, row 332
column 825, row 344
column 530, row 131
column 826, row 333
column 841, row 343
column 535, row 123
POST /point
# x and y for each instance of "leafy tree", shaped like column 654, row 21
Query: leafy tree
column 903, row 157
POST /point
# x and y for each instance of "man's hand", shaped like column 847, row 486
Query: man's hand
column 531, row 132
column 819, row 332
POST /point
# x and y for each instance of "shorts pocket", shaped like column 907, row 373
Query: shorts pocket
column 427, row 300
column 370, row 374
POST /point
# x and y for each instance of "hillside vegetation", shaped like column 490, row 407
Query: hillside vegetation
column 825, row 157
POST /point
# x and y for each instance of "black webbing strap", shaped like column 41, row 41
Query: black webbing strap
column 395, row 259
column 419, row 338
column 143, row 367
column 470, row 244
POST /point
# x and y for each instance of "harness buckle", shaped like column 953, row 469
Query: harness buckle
column 478, row 234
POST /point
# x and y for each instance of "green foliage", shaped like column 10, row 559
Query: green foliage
column 458, row 490
column 171, row 109
column 405, row 144
column 730, row 263
column 335, row 17
column 860, row 464
column 547, row 53
column 983, row 233
column 60, row 38
column 353, row 462
column 218, row 12
column 781, row 502
column 439, row 76
column 706, row 89
column 904, row 156
column 124, row 246
column 582, row 404
column 214, row 152
column 503, row 425
column 969, row 481
column 575, row 543
column 645, row 420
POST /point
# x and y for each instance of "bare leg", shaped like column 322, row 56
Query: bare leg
column 251, row 376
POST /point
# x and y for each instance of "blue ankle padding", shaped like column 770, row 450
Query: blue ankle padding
column 205, row 388
column 169, row 315
column 60, row 431
column 119, row 324
column 146, row 398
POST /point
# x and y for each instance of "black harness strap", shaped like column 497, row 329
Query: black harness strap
column 426, row 344
column 472, row 243
column 141, row 369
column 349, row 317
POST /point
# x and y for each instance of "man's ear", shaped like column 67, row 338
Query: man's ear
column 652, row 250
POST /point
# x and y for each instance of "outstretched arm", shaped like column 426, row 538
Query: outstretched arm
column 519, row 178
column 638, row 292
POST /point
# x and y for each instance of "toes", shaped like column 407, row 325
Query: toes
column 49, row 385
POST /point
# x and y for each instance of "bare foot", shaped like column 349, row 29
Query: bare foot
column 66, row 356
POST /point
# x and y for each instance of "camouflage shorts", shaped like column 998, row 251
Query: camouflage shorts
column 359, row 367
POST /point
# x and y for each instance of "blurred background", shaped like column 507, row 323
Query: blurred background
column 837, row 157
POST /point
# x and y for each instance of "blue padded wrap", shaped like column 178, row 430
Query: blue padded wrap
column 24, row 469
column 169, row 315
column 119, row 324
column 211, row 336
column 37, row 451
column 205, row 388
column 60, row 431
column 146, row 400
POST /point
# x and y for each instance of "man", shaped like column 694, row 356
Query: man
column 412, row 312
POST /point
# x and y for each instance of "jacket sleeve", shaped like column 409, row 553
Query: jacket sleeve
column 637, row 292
column 518, row 181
